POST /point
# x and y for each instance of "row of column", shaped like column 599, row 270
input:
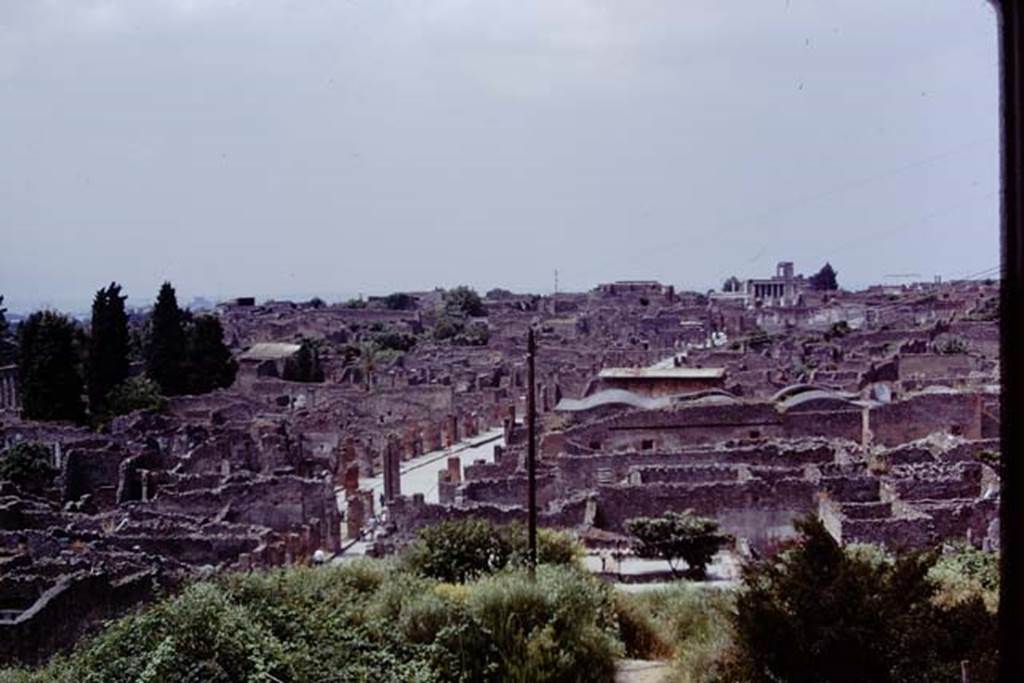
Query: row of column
column 774, row 291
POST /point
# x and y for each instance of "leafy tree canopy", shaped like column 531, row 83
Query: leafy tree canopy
column 355, row 303
column 459, row 550
column 137, row 393
column 824, row 279
column 304, row 366
column 27, row 465
column 49, row 378
column 209, row 364
column 400, row 301
column 464, row 302
column 678, row 536
column 815, row 612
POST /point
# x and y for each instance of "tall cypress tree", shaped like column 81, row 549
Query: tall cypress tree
column 108, row 346
column 210, row 364
column 165, row 347
column 48, row 368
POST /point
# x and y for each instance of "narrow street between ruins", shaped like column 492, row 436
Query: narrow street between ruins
column 419, row 476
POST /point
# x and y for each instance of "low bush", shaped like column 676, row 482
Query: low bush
column 560, row 627
column 458, row 550
column 694, row 622
column 642, row 636
column 27, row 465
column 964, row 574
column 367, row 621
column 137, row 393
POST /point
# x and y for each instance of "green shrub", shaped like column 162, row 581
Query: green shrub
column 560, row 627
column 464, row 302
column 459, row 550
column 137, row 393
column 642, row 637
column 448, row 327
column 695, row 622
column 817, row 612
column 200, row 635
column 367, row 621
column 965, row 574
column 27, row 465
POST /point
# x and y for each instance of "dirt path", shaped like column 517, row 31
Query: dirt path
column 642, row 671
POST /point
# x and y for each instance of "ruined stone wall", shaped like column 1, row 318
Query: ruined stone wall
column 408, row 514
column 683, row 475
column 581, row 472
column 283, row 503
column 510, row 490
column 934, row 365
column 846, row 424
column 31, row 636
column 92, row 472
column 755, row 510
column 892, row 424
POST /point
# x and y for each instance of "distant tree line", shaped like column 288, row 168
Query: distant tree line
column 68, row 373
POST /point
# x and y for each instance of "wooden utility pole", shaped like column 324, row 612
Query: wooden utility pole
column 531, row 448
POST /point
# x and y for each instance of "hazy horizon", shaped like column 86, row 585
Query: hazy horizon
column 280, row 150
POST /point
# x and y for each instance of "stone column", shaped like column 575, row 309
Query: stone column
column 392, row 470
column 454, row 470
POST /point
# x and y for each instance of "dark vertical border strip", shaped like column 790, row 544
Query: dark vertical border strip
column 1011, row 610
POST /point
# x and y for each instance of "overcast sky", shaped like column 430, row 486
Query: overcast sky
column 292, row 148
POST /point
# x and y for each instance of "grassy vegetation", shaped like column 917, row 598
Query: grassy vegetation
column 459, row 606
column 684, row 622
column 367, row 621
column 816, row 611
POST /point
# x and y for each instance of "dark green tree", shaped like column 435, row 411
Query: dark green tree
column 678, row 536
column 304, row 366
column 166, row 344
column 8, row 352
column 815, row 612
column 464, row 302
column 824, row 279
column 448, row 327
column 109, row 342
column 27, row 465
column 137, row 393
column 48, row 368
column 209, row 364
column 400, row 301
column 477, row 333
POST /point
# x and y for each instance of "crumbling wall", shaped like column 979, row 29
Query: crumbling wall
column 897, row 423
